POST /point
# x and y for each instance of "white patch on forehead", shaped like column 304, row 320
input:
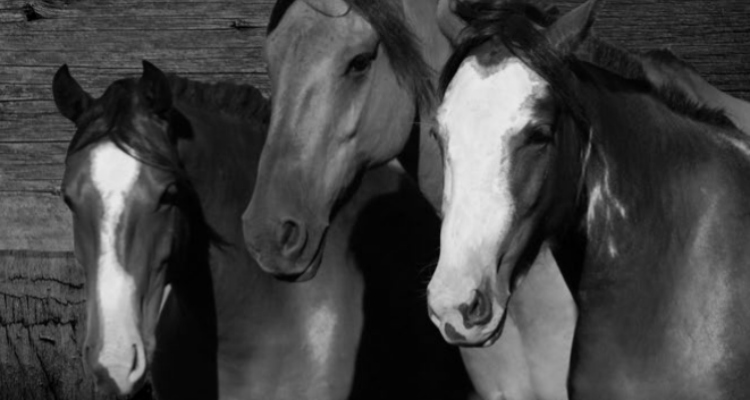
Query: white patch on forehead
column 114, row 173
column 483, row 109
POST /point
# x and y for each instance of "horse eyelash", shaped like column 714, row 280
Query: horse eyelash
column 370, row 58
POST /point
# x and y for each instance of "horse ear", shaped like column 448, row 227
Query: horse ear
column 155, row 88
column 448, row 22
column 71, row 100
column 573, row 28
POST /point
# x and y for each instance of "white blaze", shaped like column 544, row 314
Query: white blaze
column 484, row 108
column 114, row 173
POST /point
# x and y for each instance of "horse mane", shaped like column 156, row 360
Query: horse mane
column 512, row 22
column 628, row 65
column 241, row 101
column 115, row 107
column 666, row 56
column 400, row 43
column 488, row 20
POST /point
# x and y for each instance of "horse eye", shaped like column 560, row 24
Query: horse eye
column 170, row 195
column 540, row 135
column 361, row 63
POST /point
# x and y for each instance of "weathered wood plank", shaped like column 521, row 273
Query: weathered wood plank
column 252, row 13
column 35, row 220
column 42, row 309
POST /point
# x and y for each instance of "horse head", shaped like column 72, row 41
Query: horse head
column 344, row 98
column 126, row 195
column 499, row 129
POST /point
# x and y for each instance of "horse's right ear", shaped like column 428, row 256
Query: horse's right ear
column 70, row 98
column 154, row 86
column 573, row 28
column 448, row 22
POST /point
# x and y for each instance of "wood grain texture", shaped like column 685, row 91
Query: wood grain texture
column 41, row 289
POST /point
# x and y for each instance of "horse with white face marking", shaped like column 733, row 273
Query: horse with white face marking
column 550, row 135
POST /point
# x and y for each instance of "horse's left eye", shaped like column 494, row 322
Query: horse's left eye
column 170, row 195
column 361, row 63
column 539, row 135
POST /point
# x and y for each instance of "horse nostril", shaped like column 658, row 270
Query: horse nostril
column 292, row 239
column 138, row 367
column 134, row 364
column 478, row 312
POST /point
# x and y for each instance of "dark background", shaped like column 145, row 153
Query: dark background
column 41, row 289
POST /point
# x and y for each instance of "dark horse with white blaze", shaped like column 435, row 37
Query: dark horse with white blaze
column 550, row 135
column 352, row 88
column 157, row 177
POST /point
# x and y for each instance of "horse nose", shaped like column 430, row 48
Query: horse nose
column 478, row 311
column 292, row 239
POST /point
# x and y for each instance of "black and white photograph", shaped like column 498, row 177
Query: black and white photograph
column 374, row 199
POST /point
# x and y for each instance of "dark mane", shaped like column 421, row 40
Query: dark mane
column 400, row 43
column 628, row 65
column 666, row 56
column 242, row 101
column 512, row 23
column 114, row 111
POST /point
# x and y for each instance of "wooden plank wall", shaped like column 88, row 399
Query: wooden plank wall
column 41, row 299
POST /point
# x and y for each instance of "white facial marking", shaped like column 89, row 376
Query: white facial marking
column 114, row 172
column 484, row 108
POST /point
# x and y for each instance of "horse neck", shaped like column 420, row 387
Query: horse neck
column 641, row 155
column 422, row 150
column 221, row 159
